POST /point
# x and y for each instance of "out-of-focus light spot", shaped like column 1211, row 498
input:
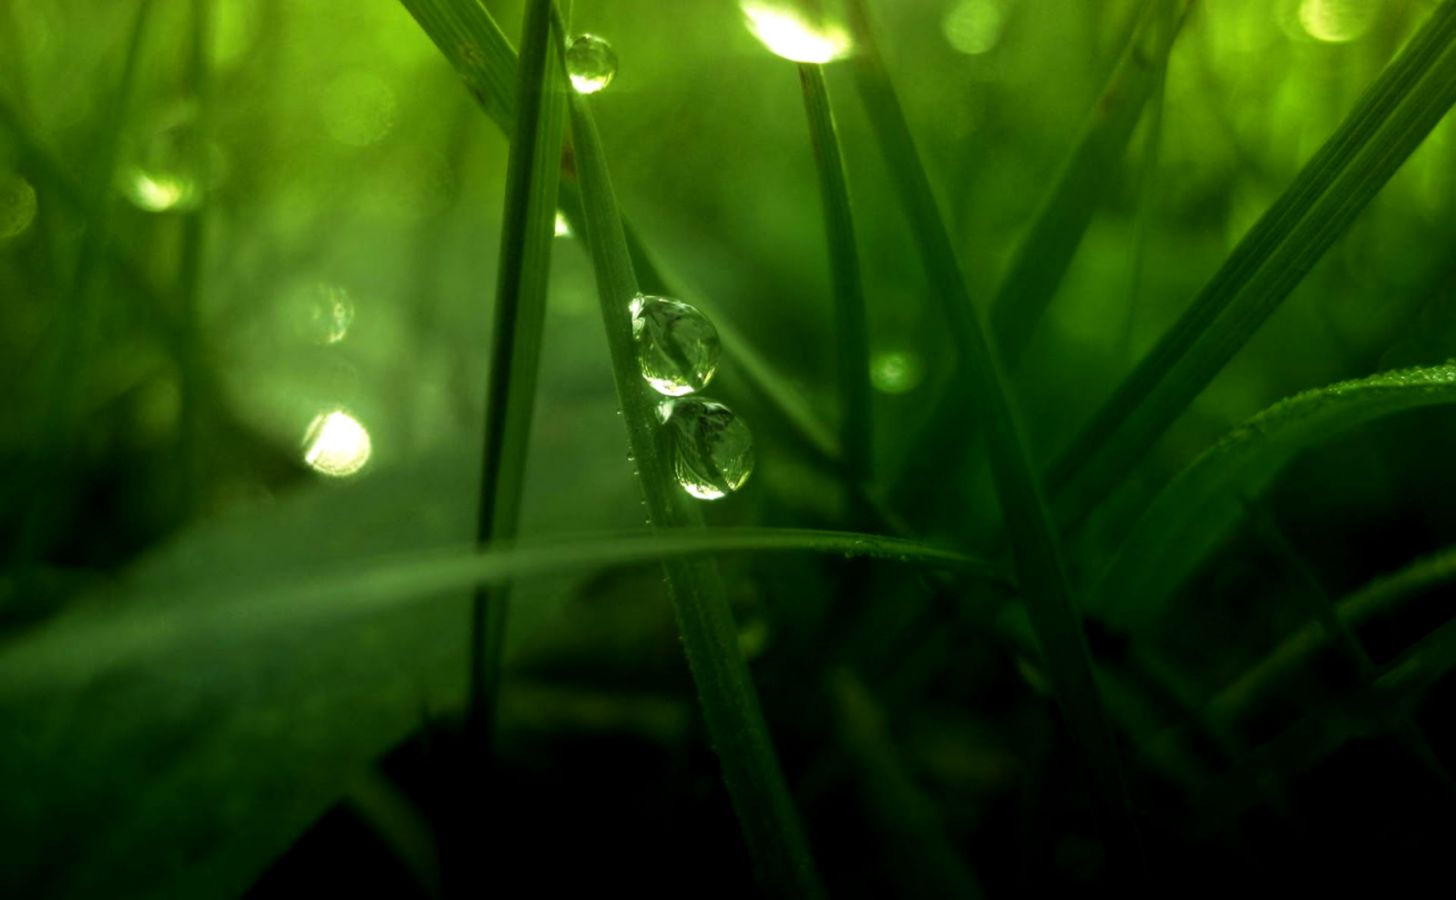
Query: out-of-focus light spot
column 17, row 205
column 895, row 372
column 789, row 33
column 1337, row 21
column 156, row 191
column 974, row 26
column 563, row 228
column 321, row 312
column 235, row 28
column 336, row 444
column 358, row 108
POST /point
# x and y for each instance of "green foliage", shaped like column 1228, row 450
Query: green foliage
column 300, row 351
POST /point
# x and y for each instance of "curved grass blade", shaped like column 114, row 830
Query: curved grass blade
column 519, row 318
column 1199, row 507
column 1389, row 122
column 74, row 647
column 851, row 331
column 766, row 814
column 1385, row 705
column 1034, row 541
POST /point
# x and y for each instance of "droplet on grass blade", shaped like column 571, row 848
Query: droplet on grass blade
column 677, row 347
column 336, row 444
column 1337, row 21
column 790, row 31
column 160, row 168
column 591, row 63
column 895, row 372
column 712, row 448
column 17, row 205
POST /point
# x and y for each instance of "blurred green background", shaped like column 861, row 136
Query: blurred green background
column 243, row 342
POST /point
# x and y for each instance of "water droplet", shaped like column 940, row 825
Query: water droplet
column 712, row 448
column 591, row 63
column 160, row 171
column 336, row 444
column 895, row 372
column 563, row 227
column 17, row 205
column 793, row 33
column 320, row 312
column 677, row 347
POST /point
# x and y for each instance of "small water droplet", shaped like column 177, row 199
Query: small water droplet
column 677, row 347
column 591, row 63
column 792, row 31
column 17, row 205
column 712, row 448
column 160, row 169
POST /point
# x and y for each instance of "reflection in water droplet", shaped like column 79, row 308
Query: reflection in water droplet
column 1337, row 21
column 791, row 33
column 336, row 444
column 895, row 372
column 974, row 26
column 712, row 448
column 677, row 347
column 563, row 228
column 591, row 63
column 358, row 108
column 17, row 205
column 160, row 171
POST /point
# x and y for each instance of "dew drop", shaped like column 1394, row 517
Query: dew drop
column 17, row 205
column 677, row 347
column 336, row 444
column 712, row 448
column 895, row 372
column 791, row 31
column 159, row 173
column 591, row 63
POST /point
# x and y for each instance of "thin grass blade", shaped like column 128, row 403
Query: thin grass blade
column 755, row 783
column 851, row 331
column 1035, row 543
column 532, row 175
column 1386, row 126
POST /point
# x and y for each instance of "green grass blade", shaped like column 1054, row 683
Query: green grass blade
column 53, row 452
column 851, row 330
column 1194, row 513
column 1043, row 256
column 479, row 51
column 1388, row 123
column 532, row 174
column 469, row 38
column 755, row 783
column 1034, row 541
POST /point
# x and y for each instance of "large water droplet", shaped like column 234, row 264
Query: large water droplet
column 17, row 205
column 677, row 347
column 712, row 448
column 591, row 63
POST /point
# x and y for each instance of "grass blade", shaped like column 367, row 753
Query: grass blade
column 519, row 317
column 851, row 330
column 73, row 648
column 469, row 38
column 1198, row 508
column 1043, row 256
column 705, row 622
column 1388, row 123
column 1035, row 544
column 1045, row 252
